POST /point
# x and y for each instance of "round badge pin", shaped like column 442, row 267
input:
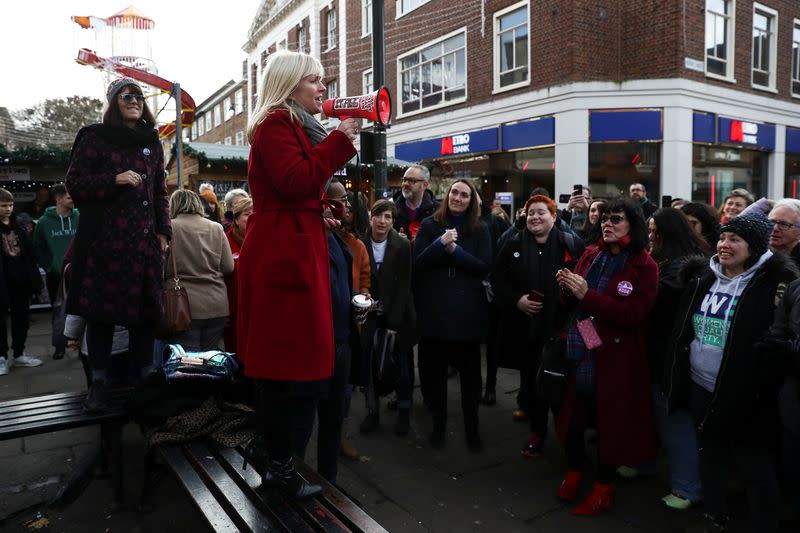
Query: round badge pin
column 146, row 151
column 516, row 254
column 624, row 288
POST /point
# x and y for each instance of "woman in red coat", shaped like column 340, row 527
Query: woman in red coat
column 284, row 321
column 615, row 284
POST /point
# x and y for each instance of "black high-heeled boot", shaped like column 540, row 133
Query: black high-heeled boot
column 255, row 454
column 289, row 481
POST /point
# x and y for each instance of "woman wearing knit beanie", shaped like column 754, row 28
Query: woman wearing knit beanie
column 714, row 367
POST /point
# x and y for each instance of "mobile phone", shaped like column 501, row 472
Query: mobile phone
column 564, row 198
column 666, row 201
column 577, row 189
column 536, row 296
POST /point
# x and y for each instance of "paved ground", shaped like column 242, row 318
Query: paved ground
column 403, row 483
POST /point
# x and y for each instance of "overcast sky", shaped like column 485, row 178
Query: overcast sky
column 196, row 43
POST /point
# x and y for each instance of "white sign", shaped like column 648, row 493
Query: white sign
column 8, row 173
column 749, row 132
column 694, row 64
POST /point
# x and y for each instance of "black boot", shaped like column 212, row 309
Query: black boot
column 489, row 397
column 370, row 423
column 255, row 454
column 402, row 425
column 97, row 398
column 289, row 481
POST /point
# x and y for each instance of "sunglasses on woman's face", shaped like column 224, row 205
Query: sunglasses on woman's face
column 130, row 97
column 614, row 219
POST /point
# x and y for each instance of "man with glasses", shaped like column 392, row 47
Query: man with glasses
column 414, row 202
column 639, row 193
column 785, row 236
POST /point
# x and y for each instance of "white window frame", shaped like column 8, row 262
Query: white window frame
column 496, row 67
column 209, row 125
column 217, row 115
column 301, row 39
column 773, row 49
column 731, row 46
column 194, row 129
column 367, row 88
column 228, row 140
column 399, row 6
column 366, row 18
column 332, row 28
column 227, row 112
column 399, row 70
column 282, row 44
column 332, row 93
column 792, row 79
column 239, row 138
column 239, row 101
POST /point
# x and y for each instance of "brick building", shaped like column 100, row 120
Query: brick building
column 690, row 97
column 222, row 117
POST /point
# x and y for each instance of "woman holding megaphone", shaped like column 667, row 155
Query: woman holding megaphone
column 285, row 327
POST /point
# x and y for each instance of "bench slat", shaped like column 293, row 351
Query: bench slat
column 274, row 502
column 227, row 490
column 198, row 492
column 27, row 428
column 54, row 417
column 34, row 399
column 51, row 407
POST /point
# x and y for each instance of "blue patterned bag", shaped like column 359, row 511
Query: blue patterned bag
column 214, row 365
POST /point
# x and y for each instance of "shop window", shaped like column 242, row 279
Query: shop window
column 434, row 75
column 720, row 21
column 717, row 170
column 796, row 58
column 511, row 45
column 366, row 17
column 792, row 176
column 614, row 166
column 764, row 51
column 331, row 29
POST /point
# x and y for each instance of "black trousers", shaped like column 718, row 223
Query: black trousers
column 53, row 280
column 755, row 464
column 99, row 339
column 437, row 355
column 19, row 302
column 583, row 418
column 534, row 406
column 330, row 412
column 491, row 349
column 279, row 412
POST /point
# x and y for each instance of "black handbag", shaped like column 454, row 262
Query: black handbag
column 551, row 376
column 385, row 362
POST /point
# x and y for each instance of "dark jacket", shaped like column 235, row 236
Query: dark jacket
column 511, row 280
column 519, row 225
column 742, row 406
column 448, row 288
column 403, row 224
column 356, row 376
column 117, row 259
column 497, row 226
column 32, row 278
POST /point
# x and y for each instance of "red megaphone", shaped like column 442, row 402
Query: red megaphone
column 375, row 106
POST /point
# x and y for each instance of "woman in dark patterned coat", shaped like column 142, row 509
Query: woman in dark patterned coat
column 116, row 176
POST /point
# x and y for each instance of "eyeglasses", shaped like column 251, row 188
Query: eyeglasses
column 614, row 219
column 412, row 180
column 785, row 226
column 130, row 97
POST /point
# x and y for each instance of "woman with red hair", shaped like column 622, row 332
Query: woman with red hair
column 524, row 281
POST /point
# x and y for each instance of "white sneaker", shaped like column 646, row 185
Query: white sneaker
column 26, row 360
column 4, row 366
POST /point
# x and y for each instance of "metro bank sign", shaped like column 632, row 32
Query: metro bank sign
column 756, row 134
column 470, row 142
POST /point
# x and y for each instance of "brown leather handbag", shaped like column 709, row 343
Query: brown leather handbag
column 175, row 314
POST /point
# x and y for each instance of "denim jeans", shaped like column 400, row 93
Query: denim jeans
column 679, row 438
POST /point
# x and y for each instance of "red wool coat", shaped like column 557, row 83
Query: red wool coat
column 284, row 322
column 625, row 422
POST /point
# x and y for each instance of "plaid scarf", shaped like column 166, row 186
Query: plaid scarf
column 600, row 273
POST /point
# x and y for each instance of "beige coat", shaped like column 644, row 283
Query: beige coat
column 204, row 258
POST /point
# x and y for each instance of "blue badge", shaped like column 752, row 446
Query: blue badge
column 146, row 151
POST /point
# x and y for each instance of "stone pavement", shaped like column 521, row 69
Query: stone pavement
column 402, row 482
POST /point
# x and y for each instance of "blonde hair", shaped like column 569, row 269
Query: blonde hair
column 185, row 202
column 282, row 74
column 242, row 205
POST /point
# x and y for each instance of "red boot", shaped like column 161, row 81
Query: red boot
column 599, row 501
column 568, row 490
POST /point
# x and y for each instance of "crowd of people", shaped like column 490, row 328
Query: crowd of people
column 675, row 327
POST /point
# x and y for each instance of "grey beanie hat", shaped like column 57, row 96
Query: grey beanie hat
column 752, row 228
column 117, row 85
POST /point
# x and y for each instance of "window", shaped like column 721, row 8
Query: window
column 796, row 58
column 331, row 28
column 227, row 108
column 301, row 39
column 408, row 5
column 511, row 47
column 719, row 37
column 217, row 115
column 239, row 101
column 366, row 82
column 333, row 89
column 282, row 45
column 228, row 140
column 239, row 138
column 434, row 75
column 208, row 121
column 194, row 129
column 366, row 17
column 764, row 50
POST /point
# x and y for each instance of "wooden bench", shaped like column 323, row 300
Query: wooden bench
column 224, row 493
column 35, row 415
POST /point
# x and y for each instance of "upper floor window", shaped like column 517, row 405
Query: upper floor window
column 301, row 39
column 217, row 115
column 282, row 45
column 366, row 17
column 239, row 98
column 227, row 108
column 511, row 47
column 194, row 129
column 333, row 89
column 331, row 28
column 764, row 50
column 796, row 58
column 719, row 37
column 239, row 138
column 208, row 121
column 228, row 140
column 404, row 6
column 434, row 75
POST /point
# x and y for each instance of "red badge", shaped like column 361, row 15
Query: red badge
column 624, row 288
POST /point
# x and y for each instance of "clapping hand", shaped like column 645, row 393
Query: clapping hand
column 449, row 239
column 572, row 283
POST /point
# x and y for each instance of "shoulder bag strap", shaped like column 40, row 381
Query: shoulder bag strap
column 175, row 276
